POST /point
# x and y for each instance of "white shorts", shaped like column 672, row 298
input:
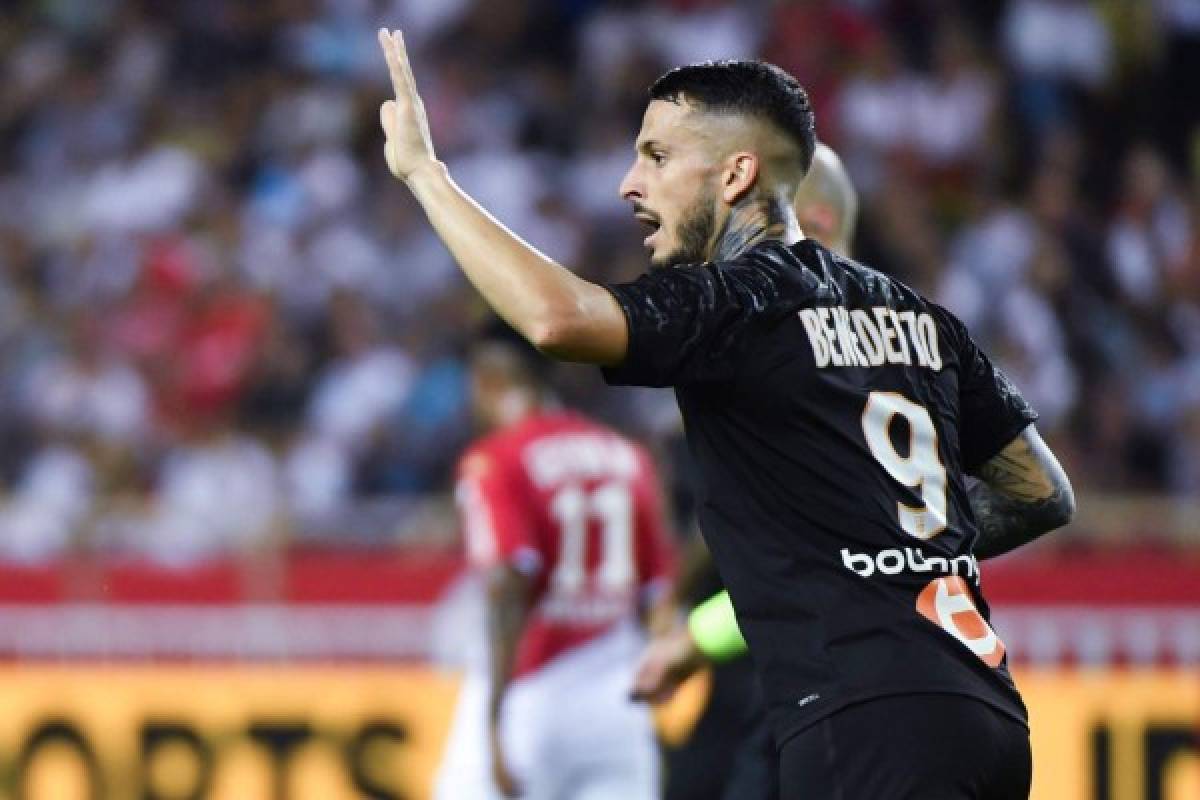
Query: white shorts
column 570, row 731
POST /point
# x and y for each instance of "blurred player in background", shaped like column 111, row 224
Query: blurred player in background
column 827, row 204
column 833, row 415
column 564, row 519
column 712, row 763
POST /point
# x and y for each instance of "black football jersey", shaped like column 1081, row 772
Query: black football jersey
column 832, row 414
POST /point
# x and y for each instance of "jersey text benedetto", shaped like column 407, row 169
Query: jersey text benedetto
column 832, row 414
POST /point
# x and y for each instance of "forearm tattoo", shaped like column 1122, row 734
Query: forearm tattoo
column 1022, row 493
column 1005, row 523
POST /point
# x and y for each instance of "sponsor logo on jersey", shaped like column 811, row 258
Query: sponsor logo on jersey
column 947, row 603
column 895, row 560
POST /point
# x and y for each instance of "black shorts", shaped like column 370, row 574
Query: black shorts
column 755, row 772
column 909, row 747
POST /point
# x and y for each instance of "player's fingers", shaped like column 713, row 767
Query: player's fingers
column 395, row 70
column 642, row 687
column 663, row 697
column 645, row 683
column 654, row 694
column 405, row 62
column 400, row 52
column 387, row 116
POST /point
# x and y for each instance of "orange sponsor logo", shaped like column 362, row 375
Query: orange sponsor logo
column 947, row 603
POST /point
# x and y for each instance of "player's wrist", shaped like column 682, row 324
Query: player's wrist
column 424, row 173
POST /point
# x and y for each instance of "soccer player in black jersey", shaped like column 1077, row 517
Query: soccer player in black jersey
column 730, row 753
column 833, row 415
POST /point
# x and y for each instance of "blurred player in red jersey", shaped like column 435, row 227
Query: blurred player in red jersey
column 563, row 517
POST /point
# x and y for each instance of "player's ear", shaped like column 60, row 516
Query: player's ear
column 739, row 175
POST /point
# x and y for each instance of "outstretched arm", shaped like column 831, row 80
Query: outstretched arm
column 1022, row 493
column 561, row 314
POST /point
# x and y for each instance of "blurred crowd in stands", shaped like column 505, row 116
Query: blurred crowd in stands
column 222, row 322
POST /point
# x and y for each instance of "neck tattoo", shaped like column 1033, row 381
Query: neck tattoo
column 752, row 220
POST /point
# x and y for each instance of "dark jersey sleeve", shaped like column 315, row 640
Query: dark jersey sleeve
column 992, row 411
column 693, row 324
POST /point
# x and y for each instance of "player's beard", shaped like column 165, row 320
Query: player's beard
column 694, row 232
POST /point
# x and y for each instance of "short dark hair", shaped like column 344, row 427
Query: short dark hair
column 504, row 348
column 752, row 88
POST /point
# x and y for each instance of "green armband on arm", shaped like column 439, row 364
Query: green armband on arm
column 715, row 630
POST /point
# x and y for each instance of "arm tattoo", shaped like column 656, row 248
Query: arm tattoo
column 752, row 221
column 1005, row 523
column 1022, row 493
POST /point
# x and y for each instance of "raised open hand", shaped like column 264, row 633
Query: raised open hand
column 408, row 145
